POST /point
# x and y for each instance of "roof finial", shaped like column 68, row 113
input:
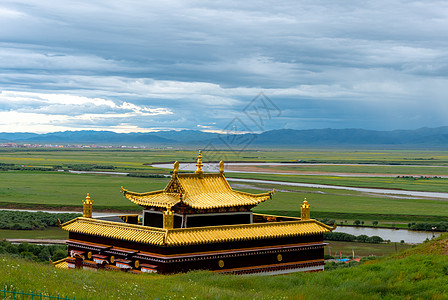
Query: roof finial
column 87, row 207
column 176, row 167
column 221, row 167
column 199, row 164
column 305, row 210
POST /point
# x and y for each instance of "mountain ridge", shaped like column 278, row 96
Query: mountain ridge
column 422, row 137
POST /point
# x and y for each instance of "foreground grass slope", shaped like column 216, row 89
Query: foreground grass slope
column 407, row 275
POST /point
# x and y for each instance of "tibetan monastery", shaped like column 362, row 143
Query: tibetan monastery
column 197, row 222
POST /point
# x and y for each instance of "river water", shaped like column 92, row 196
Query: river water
column 394, row 235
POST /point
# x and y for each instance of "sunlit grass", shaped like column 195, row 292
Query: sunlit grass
column 406, row 276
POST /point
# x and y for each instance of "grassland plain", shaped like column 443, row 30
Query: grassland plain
column 50, row 233
column 364, row 249
column 60, row 189
column 408, row 275
column 136, row 158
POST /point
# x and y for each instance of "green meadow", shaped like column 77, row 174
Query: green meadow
column 60, row 189
column 128, row 158
column 50, row 233
column 407, row 275
column 364, row 249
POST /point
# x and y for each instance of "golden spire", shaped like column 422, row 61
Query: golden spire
column 199, row 164
column 221, row 167
column 87, row 207
column 176, row 167
column 305, row 210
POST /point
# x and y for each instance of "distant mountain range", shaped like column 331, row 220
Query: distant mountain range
column 288, row 138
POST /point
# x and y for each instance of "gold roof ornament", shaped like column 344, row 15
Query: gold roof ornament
column 305, row 210
column 176, row 168
column 87, row 207
column 199, row 164
column 221, row 167
column 87, row 201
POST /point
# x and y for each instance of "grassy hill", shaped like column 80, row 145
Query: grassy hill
column 418, row 273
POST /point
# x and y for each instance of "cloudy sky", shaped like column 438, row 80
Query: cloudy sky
column 137, row 66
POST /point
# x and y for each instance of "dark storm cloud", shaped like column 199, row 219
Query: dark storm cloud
column 370, row 64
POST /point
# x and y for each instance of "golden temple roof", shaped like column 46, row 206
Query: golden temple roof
column 195, row 235
column 199, row 191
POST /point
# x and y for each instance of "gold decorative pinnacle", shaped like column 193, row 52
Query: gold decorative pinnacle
column 88, row 201
column 176, row 167
column 87, row 207
column 199, row 164
column 221, row 167
column 305, row 210
column 305, row 204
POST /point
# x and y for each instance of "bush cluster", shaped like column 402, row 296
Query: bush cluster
column 341, row 236
column 13, row 167
column 23, row 220
column 34, row 252
column 327, row 221
column 86, row 167
column 441, row 226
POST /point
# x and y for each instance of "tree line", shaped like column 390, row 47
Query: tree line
column 441, row 226
column 346, row 237
column 34, row 252
column 23, row 220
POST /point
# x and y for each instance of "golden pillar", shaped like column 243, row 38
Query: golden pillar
column 305, row 211
column 168, row 218
column 87, row 207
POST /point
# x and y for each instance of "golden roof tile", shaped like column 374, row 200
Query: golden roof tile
column 61, row 264
column 200, row 191
column 195, row 235
column 115, row 230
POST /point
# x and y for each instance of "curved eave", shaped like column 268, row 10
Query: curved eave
column 115, row 230
column 152, row 199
